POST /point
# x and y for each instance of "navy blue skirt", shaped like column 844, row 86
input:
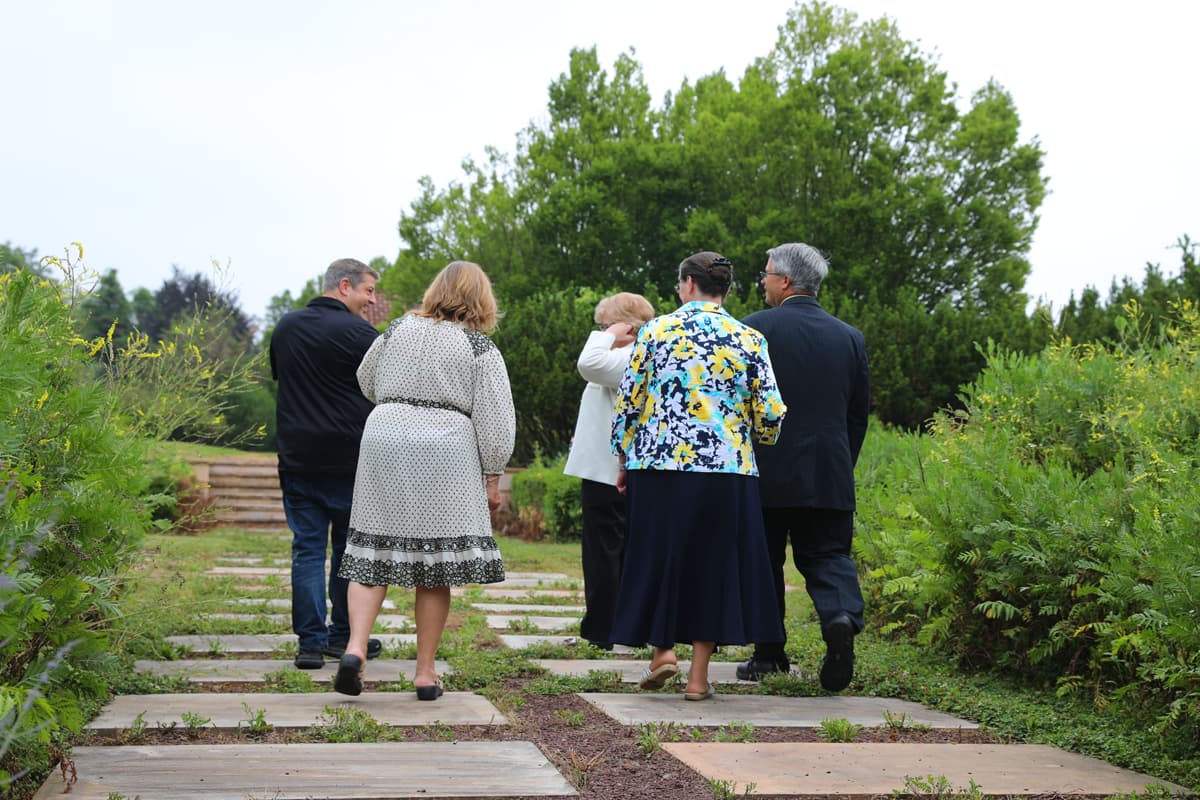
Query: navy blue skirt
column 696, row 564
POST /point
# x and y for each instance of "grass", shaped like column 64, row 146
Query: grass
column 170, row 589
column 191, row 450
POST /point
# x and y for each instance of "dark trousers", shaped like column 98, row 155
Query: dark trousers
column 318, row 512
column 820, row 540
column 603, row 552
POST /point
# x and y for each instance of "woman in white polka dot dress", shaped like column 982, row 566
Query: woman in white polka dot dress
column 429, row 467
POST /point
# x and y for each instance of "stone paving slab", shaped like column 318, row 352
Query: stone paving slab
column 294, row 710
column 525, row 608
column 300, row 771
column 255, row 670
column 511, row 582
column 277, row 618
column 875, row 770
column 262, row 642
column 501, row 622
column 764, row 711
column 281, row 602
column 542, row 576
column 250, row 572
column 631, row 671
column 388, row 621
column 521, row 641
column 518, row 594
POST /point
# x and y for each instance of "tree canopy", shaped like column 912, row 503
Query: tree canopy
column 844, row 135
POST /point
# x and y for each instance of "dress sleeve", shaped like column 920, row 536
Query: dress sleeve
column 766, row 401
column 599, row 363
column 492, row 412
column 369, row 367
column 632, row 395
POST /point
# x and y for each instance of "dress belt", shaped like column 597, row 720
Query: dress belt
column 412, row 401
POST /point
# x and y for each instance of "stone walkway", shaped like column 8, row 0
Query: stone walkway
column 473, row 768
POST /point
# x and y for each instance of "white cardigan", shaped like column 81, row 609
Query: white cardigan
column 602, row 367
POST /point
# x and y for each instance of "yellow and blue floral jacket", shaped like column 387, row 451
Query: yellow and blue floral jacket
column 699, row 388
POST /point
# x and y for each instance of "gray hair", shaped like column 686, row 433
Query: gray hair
column 803, row 263
column 350, row 268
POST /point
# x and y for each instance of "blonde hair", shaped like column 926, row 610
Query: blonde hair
column 461, row 292
column 626, row 307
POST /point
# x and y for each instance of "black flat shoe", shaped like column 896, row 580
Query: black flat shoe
column 349, row 676
column 429, row 692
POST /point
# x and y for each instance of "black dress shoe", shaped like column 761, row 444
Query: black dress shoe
column 838, row 667
column 338, row 649
column 348, row 679
column 309, row 659
column 755, row 668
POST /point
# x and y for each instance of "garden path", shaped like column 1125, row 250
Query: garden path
column 513, row 767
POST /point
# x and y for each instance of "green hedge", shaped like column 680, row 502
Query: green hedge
column 547, row 500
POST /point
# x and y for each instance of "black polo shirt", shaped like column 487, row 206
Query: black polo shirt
column 319, row 409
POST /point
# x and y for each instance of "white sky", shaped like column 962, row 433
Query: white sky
column 276, row 136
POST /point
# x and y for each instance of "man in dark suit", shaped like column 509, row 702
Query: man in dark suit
column 806, row 479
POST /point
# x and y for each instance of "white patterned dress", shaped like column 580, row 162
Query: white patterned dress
column 443, row 419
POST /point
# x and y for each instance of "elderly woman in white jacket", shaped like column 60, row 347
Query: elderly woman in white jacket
column 602, row 364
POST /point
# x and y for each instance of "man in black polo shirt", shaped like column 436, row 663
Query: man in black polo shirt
column 320, row 413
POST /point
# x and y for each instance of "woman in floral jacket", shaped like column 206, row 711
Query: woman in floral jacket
column 698, row 392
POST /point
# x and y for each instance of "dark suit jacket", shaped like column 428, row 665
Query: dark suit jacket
column 821, row 365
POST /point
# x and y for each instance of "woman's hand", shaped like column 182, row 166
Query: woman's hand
column 492, row 485
column 621, row 479
column 623, row 334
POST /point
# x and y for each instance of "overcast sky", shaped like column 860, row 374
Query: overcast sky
column 274, row 137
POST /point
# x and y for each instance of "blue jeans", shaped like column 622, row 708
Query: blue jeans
column 318, row 512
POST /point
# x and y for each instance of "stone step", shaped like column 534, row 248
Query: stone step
column 292, row 710
column 519, row 641
column 295, row 771
column 255, row 670
column 242, row 505
column 244, row 467
column 504, row 622
column 515, row 593
column 525, row 608
column 878, row 770
column 766, row 710
column 630, row 671
column 243, row 491
column 279, row 602
column 255, row 571
column 276, row 520
column 237, row 643
column 537, row 582
column 218, row 483
column 384, row 623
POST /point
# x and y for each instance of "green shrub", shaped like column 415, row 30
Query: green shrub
column 543, row 490
column 1051, row 526
column 71, row 516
